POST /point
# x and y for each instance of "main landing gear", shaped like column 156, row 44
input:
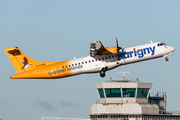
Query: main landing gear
column 102, row 72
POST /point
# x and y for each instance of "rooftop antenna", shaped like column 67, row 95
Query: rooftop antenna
column 123, row 75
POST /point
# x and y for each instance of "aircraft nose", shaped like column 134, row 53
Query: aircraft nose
column 172, row 49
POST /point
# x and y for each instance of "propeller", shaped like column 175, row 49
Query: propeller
column 118, row 48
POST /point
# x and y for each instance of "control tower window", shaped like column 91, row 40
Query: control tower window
column 129, row 92
column 141, row 92
column 101, row 93
column 113, row 92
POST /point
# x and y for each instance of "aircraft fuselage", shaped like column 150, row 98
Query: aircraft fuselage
column 98, row 63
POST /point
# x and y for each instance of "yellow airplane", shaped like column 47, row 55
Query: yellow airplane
column 101, row 59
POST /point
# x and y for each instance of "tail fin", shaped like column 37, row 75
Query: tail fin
column 21, row 62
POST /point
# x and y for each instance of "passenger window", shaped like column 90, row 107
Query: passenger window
column 99, row 59
column 109, row 57
column 82, row 62
column 69, row 65
column 72, row 64
column 62, row 66
column 92, row 60
column 106, row 58
column 79, row 63
column 89, row 61
column 102, row 58
column 85, row 61
column 75, row 64
column 113, row 56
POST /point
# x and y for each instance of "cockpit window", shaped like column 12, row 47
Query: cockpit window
column 161, row 44
column 164, row 44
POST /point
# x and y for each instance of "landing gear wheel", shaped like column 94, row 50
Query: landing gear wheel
column 167, row 59
column 102, row 73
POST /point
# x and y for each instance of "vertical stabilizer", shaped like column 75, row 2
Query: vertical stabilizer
column 21, row 62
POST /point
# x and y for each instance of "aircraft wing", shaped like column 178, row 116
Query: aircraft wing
column 97, row 48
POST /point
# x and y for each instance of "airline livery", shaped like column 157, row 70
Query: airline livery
column 101, row 59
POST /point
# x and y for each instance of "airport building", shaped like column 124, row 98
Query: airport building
column 128, row 100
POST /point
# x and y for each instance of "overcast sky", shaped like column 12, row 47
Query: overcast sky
column 56, row 30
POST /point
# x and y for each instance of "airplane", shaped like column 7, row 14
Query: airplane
column 101, row 59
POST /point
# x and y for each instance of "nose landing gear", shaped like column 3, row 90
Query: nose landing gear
column 167, row 59
column 165, row 56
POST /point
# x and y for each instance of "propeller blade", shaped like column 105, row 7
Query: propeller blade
column 117, row 45
column 118, row 48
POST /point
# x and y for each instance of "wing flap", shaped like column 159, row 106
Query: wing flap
column 97, row 48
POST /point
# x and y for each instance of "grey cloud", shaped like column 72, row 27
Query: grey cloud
column 45, row 105
column 68, row 104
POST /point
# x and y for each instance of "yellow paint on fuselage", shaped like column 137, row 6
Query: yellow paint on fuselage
column 28, row 68
column 57, row 70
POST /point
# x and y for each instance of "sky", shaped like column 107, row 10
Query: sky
column 57, row 30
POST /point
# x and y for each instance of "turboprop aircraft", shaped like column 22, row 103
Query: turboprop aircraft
column 101, row 59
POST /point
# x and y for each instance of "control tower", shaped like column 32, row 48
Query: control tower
column 126, row 99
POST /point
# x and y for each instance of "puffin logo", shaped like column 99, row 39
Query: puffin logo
column 26, row 64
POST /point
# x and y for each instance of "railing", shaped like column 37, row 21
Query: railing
column 171, row 112
column 59, row 118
